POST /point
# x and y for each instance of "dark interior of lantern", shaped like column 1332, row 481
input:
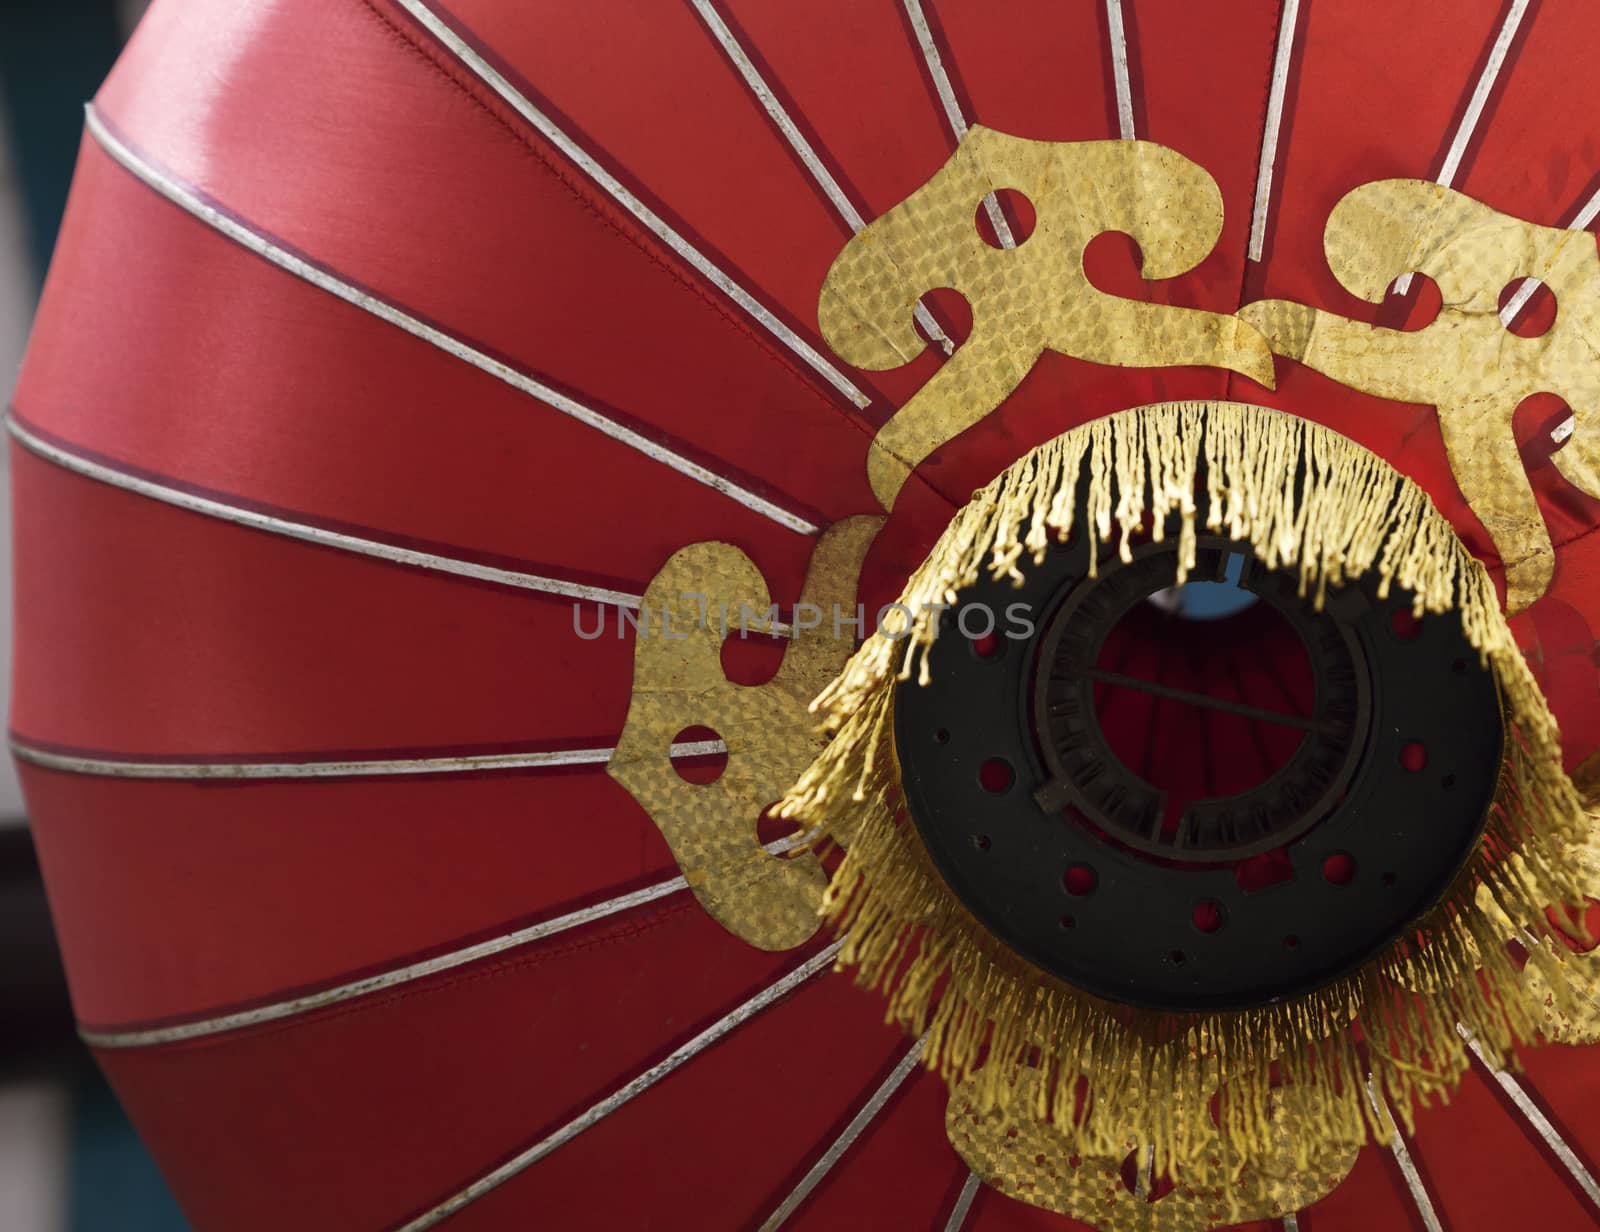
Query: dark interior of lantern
column 1203, row 690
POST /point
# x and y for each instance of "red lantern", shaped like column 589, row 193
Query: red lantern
column 390, row 351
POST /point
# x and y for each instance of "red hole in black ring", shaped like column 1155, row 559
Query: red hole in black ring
column 1079, row 880
column 996, row 775
column 1208, row 916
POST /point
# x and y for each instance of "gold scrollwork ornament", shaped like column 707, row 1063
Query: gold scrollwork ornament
column 1465, row 363
column 695, row 601
column 1029, row 1160
column 1031, row 298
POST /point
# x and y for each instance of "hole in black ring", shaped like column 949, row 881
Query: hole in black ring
column 1208, row 915
column 1079, row 880
column 987, row 647
column 996, row 776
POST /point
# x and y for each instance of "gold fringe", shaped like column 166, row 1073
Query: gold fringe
column 1306, row 499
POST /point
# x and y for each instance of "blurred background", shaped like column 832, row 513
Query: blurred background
column 69, row 1160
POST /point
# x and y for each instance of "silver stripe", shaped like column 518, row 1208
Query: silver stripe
column 1518, row 301
column 612, row 1102
column 845, row 1140
column 786, row 125
column 798, row 143
column 186, row 198
column 1480, row 94
column 228, row 770
column 959, row 1212
column 1580, row 221
column 1537, row 1119
column 608, row 183
column 407, row 974
column 1273, row 126
column 1402, row 1156
column 1291, row 1222
column 386, row 980
column 312, row 534
column 1475, row 105
column 952, row 109
column 1119, row 69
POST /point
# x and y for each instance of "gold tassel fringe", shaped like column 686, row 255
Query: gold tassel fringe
column 1306, row 499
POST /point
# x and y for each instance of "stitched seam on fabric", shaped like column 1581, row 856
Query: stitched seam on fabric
column 635, row 238
column 481, row 971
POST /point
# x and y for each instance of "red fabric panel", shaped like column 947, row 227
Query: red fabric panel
column 1537, row 155
column 1053, row 84
column 761, row 209
column 1361, row 107
column 480, row 226
column 178, row 899
column 1373, row 1196
column 1564, row 1084
column 361, row 1116
column 760, row 215
column 902, row 1171
column 854, row 77
column 1483, row 1169
column 1559, row 643
column 150, row 629
column 223, row 372
column 721, row 1141
column 1223, row 136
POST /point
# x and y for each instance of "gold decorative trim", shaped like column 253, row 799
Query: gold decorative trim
column 1032, row 1161
column 1032, row 297
column 703, row 594
column 1308, row 500
column 1466, row 362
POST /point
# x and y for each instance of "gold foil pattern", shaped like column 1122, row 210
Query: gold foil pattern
column 1465, row 363
column 1578, row 1020
column 1029, row 1160
column 1034, row 297
column 705, row 592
